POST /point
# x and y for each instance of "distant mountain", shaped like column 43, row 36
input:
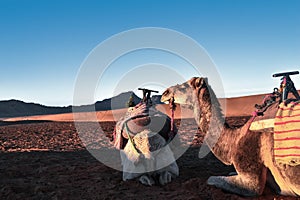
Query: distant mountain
column 117, row 102
column 16, row 108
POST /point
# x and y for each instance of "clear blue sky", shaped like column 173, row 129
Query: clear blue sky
column 43, row 43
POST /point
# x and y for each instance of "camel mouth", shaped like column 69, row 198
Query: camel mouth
column 164, row 99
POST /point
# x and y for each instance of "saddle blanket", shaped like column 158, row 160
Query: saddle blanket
column 287, row 134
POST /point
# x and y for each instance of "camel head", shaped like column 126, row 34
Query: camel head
column 186, row 93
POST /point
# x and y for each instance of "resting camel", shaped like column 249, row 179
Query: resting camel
column 251, row 153
column 142, row 136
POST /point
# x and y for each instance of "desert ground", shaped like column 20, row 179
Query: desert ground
column 43, row 157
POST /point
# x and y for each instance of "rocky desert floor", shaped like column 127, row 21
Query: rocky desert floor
column 48, row 160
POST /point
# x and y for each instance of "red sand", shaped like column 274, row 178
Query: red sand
column 47, row 160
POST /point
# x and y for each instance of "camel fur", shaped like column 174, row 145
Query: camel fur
column 251, row 153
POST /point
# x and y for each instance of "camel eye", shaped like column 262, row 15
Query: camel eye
column 185, row 85
column 166, row 92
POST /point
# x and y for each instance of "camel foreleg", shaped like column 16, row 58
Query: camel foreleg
column 244, row 185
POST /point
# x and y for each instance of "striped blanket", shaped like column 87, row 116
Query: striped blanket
column 287, row 134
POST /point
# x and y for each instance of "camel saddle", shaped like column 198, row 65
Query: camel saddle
column 285, row 124
column 138, row 119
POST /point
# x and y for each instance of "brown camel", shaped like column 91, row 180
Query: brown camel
column 251, row 153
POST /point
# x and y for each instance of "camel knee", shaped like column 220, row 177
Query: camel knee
column 245, row 186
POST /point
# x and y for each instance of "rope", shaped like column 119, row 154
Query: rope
column 171, row 133
column 254, row 114
column 129, row 137
column 268, row 100
column 172, row 120
column 172, row 107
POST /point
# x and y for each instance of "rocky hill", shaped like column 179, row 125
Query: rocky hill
column 16, row 108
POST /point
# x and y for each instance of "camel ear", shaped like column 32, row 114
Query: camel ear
column 198, row 82
column 205, row 79
column 195, row 82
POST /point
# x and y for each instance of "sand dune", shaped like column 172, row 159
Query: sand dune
column 109, row 115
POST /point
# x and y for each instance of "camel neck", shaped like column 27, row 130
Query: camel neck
column 218, row 136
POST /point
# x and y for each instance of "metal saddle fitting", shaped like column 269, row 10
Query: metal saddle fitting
column 287, row 85
column 147, row 96
column 268, row 100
